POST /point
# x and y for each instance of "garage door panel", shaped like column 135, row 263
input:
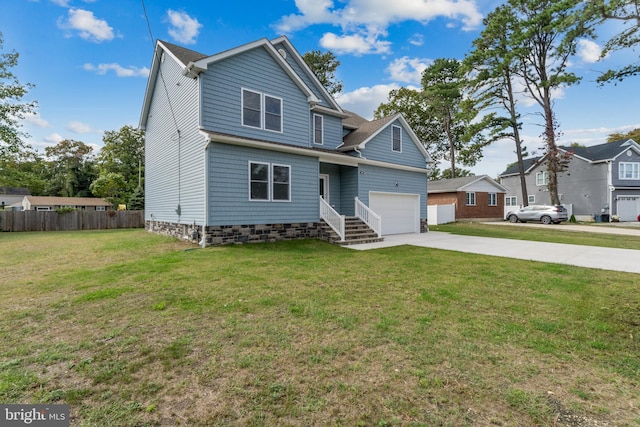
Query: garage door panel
column 400, row 212
column 628, row 208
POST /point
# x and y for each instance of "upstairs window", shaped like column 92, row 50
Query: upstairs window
column 629, row 170
column 396, row 136
column 261, row 111
column 318, row 125
column 542, row 178
column 471, row 199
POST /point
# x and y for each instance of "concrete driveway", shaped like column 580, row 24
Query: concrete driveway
column 627, row 260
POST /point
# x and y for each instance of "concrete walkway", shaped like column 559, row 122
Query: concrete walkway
column 627, row 260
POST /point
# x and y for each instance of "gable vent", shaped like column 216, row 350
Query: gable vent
column 283, row 53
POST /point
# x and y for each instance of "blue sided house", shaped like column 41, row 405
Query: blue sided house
column 246, row 145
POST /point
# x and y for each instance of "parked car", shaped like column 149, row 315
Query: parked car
column 543, row 213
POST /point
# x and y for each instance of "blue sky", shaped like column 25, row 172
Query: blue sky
column 89, row 59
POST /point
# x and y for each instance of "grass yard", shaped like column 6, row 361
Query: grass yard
column 135, row 329
column 541, row 234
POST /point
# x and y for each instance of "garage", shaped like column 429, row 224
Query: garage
column 400, row 212
column 628, row 207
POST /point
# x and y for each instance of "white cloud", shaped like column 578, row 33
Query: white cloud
column 89, row 27
column 356, row 44
column 589, row 51
column 366, row 21
column 365, row 100
column 118, row 69
column 182, row 27
column 54, row 138
column 79, row 127
column 416, row 40
column 36, row 120
column 408, row 70
column 63, row 3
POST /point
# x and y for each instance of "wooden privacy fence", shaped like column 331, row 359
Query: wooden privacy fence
column 76, row 220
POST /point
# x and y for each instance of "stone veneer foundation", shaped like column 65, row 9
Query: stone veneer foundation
column 231, row 234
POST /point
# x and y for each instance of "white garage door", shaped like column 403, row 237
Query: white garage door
column 400, row 212
column 628, row 208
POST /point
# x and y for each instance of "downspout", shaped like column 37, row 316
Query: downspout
column 203, row 242
column 358, row 151
column 610, row 189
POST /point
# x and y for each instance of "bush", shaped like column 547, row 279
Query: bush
column 573, row 219
column 65, row 209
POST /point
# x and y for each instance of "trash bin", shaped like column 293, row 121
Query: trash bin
column 605, row 217
column 598, row 218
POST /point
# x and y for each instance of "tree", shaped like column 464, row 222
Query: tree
column 109, row 186
column 595, row 12
column 71, row 169
column 123, row 154
column 136, row 201
column 492, row 67
column 11, row 107
column 632, row 134
column 546, row 36
column 324, row 66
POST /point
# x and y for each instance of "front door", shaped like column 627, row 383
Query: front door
column 324, row 187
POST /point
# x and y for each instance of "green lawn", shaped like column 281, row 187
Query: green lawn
column 549, row 233
column 134, row 329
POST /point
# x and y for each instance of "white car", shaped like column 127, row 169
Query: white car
column 544, row 213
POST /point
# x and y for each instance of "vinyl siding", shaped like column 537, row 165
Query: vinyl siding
column 305, row 78
column 174, row 167
column 332, row 130
column 255, row 70
column 373, row 178
column 229, row 188
column 380, row 148
column 623, row 158
column 349, row 180
column 335, row 184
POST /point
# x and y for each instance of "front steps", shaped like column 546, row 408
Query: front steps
column 356, row 232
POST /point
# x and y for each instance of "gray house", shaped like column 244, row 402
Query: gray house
column 599, row 182
column 12, row 195
column 247, row 145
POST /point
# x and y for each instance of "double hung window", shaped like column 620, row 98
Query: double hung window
column 269, row 182
column 261, row 111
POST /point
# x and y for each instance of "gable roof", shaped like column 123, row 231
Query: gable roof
column 460, row 184
column 358, row 138
column 353, row 120
column 593, row 154
column 603, row 152
column 193, row 63
column 528, row 164
column 66, row 201
column 14, row 191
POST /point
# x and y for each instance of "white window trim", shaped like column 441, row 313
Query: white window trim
column 101, row 208
column 393, row 127
column 493, row 196
column 263, row 110
column 272, row 183
column 543, row 180
column 321, row 129
column 251, row 162
column 264, row 114
column 531, row 198
column 508, row 198
column 635, row 171
column 469, row 193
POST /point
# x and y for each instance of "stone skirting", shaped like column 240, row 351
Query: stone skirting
column 217, row 235
column 232, row 234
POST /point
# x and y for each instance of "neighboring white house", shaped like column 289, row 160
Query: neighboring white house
column 50, row 203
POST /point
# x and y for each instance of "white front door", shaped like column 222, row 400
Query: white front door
column 324, row 187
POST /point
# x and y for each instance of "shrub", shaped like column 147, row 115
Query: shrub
column 65, row 209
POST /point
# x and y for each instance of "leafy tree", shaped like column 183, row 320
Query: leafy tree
column 595, row 12
column 123, row 154
column 492, row 67
column 109, row 186
column 11, row 107
column 324, row 66
column 546, row 36
column 632, row 134
column 24, row 169
column 414, row 107
column 71, row 169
